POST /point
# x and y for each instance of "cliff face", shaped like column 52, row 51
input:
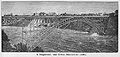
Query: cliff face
column 4, row 36
column 112, row 27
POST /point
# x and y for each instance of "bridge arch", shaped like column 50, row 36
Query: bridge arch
column 95, row 28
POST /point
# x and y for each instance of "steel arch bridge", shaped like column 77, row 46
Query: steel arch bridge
column 95, row 27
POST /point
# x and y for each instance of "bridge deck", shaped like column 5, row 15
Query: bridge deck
column 54, row 16
column 70, row 16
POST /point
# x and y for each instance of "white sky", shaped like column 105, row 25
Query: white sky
column 76, row 7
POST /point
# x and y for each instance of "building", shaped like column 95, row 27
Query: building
column 52, row 14
column 42, row 13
